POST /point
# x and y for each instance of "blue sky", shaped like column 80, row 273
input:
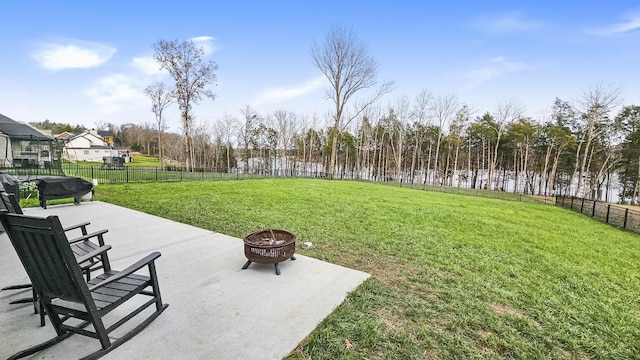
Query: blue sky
column 87, row 62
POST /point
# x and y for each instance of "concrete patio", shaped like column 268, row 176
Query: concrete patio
column 216, row 310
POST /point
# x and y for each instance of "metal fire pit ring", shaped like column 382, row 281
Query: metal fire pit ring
column 269, row 246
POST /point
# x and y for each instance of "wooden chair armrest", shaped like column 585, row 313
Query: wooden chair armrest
column 97, row 234
column 90, row 255
column 83, row 226
column 128, row 271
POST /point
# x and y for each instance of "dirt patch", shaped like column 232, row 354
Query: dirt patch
column 484, row 350
column 430, row 354
column 565, row 354
column 389, row 272
column 390, row 320
column 484, row 333
column 503, row 309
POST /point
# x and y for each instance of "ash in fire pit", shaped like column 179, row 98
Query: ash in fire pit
column 270, row 246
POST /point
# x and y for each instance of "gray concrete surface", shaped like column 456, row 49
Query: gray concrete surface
column 216, row 310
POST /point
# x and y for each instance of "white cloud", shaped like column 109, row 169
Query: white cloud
column 75, row 55
column 111, row 92
column 205, row 42
column 494, row 68
column 147, row 65
column 630, row 23
column 508, row 22
column 284, row 93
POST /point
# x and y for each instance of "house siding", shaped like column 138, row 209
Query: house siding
column 87, row 147
column 87, row 154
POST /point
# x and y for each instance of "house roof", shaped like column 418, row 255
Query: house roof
column 64, row 135
column 20, row 131
column 83, row 134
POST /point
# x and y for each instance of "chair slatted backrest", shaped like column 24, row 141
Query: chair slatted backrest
column 46, row 255
column 10, row 202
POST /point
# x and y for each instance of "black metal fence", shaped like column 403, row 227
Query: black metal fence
column 138, row 174
column 616, row 215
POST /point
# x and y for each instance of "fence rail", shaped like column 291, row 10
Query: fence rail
column 615, row 215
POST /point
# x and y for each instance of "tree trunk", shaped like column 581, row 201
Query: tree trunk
column 414, row 156
column 435, row 162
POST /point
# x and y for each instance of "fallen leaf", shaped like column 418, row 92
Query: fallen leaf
column 347, row 344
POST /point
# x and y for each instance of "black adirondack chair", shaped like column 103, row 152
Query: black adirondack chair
column 46, row 255
column 81, row 246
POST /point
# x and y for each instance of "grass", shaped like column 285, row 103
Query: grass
column 151, row 161
column 144, row 161
column 453, row 276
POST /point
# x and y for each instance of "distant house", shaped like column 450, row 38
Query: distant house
column 64, row 135
column 23, row 146
column 106, row 136
column 90, row 146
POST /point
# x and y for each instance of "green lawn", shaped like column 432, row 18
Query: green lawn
column 144, row 161
column 453, row 276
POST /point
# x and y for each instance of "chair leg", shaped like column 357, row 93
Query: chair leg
column 155, row 286
column 35, row 301
column 100, row 331
column 42, row 313
column 133, row 332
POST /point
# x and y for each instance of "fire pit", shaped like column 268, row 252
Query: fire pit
column 269, row 246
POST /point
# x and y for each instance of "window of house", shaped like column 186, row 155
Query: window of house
column 86, row 152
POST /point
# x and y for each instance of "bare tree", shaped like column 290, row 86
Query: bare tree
column 185, row 63
column 596, row 104
column 286, row 125
column 444, row 109
column 201, row 140
column 507, row 111
column 347, row 64
column 161, row 97
column 247, row 133
column 224, row 130
column 420, row 114
column 456, row 128
column 401, row 114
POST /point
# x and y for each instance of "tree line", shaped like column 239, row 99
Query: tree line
column 579, row 148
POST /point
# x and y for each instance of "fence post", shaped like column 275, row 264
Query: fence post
column 572, row 202
column 593, row 210
column 626, row 215
column 126, row 172
column 582, row 206
column 608, row 210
